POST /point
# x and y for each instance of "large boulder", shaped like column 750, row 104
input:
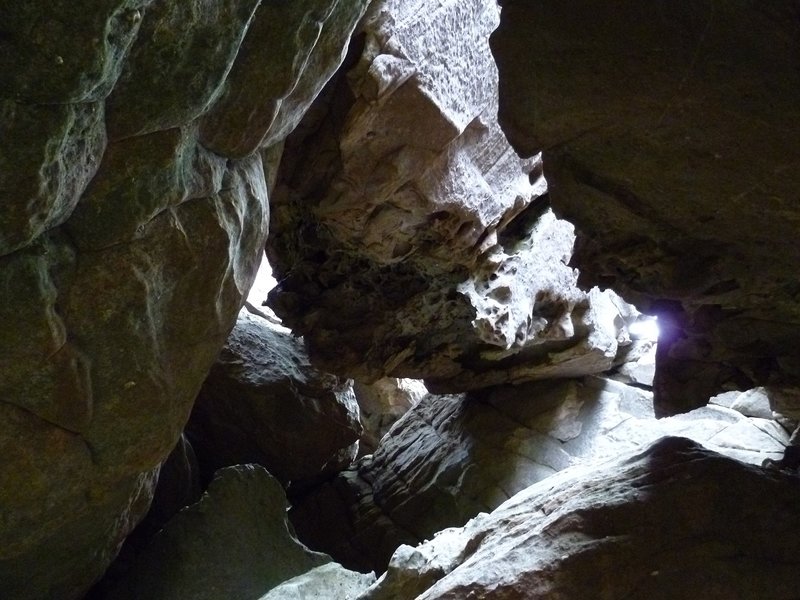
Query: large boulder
column 451, row 457
column 264, row 403
column 675, row 521
column 670, row 141
column 409, row 239
column 126, row 249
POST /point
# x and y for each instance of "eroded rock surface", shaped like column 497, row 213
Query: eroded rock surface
column 451, row 457
column 126, row 248
column 408, row 237
column 676, row 521
column 677, row 162
column 264, row 403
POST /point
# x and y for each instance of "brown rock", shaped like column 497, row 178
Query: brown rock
column 42, row 179
column 674, row 161
column 178, row 64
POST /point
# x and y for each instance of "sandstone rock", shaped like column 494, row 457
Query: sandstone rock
column 122, row 267
column 290, row 53
column 161, row 86
column 706, row 108
column 675, row 521
column 51, row 53
column 233, row 543
column 451, row 457
column 42, row 179
column 326, row 582
column 263, row 402
column 408, row 238
column 381, row 404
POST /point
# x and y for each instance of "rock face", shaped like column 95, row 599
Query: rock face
column 126, row 247
column 264, row 403
column 381, row 404
column 451, row 457
column 677, row 164
column 676, row 521
column 233, row 543
column 408, row 237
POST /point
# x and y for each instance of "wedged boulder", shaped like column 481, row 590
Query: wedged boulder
column 263, row 402
column 451, row 457
column 674, row 521
column 408, row 237
column 234, row 542
column 675, row 163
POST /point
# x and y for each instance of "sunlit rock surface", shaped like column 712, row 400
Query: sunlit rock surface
column 409, row 239
column 675, row 521
column 451, row 457
column 670, row 141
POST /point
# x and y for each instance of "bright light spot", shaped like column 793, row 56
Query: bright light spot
column 646, row 328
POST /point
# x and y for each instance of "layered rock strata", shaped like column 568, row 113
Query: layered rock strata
column 675, row 521
column 451, row 457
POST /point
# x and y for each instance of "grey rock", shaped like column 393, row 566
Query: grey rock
column 263, row 402
column 674, row 521
column 451, row 457
column 409, row 239
column 326, row 582
column 233, row 543
column 381, row 404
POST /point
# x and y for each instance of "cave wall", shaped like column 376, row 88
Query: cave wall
column 669, row 131
column 139, row 140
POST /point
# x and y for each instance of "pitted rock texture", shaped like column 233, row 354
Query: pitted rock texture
column 451, row 457
column 676, row 521
column 409, row 239
column 677, row 162
column 126, row 249
column 235, row 542
column 264, row 403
